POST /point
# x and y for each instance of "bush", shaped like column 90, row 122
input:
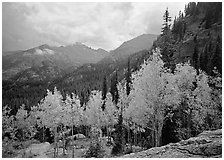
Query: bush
column 95, row 132
column 95, row 150
column 117, row 149
column 7, row 149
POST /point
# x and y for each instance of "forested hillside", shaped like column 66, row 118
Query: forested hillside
column 195, row 36
column 29, row 85
column 145, row 98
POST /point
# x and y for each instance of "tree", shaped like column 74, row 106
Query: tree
column 8, row 123
column 113, row 88
column 203, row 59
column 51, row 113
column 128, row 78
column 152, row 93
column 94, row 113
column 217, row 56
column 111, row 115
column 104, row 91
column 194, row 101
column 195, row 60
column 166, row 24
column 24, row 123
column 123, row 102
column 74, row 112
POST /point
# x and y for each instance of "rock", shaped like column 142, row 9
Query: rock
column 60, row 144
column 37, row 150
column 76, row 136
column 207, row 144
column 79, row 136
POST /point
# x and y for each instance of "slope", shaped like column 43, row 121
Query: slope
column 29, row 89
column 195, row 36
column 60, row 59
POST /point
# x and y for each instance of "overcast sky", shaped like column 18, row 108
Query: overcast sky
column 98, row 25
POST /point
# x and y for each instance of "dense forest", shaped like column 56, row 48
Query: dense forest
column 149, row 99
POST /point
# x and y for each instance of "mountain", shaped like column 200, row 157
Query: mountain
column 56, row 60
column 130, row 47
column 142, row 42
column 74, row 68
column 89, row 77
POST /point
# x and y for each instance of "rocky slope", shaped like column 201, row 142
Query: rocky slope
column 207, row 144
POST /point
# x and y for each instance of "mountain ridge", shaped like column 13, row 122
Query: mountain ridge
column 68, row 58
column 32, row 79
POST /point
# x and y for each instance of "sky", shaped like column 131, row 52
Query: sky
column 98, row 25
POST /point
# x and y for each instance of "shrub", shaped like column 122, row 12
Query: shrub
column 117, row 149
column 95, row 150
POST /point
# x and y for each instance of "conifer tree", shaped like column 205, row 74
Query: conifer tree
column 166, row 24
column 104, row 91
column 128, row 78
column 217, row 57
column 203, row 59
column 195, row 55
column 113, row 88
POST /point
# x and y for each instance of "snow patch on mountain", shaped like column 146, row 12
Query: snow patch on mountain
column 43, row 52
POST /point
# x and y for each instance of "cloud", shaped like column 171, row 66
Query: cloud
column 104, row 25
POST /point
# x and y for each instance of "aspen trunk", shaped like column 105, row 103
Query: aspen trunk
column 110, row 134
column 153, row 134
column 86, row 131
column 43, row 134
column 22, row 135
column 73, row 152
column 135, row 142
column 152, row 138
column 140, row 138
column 156, row 136
column 55, row 131
column 189, row 124
column 129, row 135
column 63, row 139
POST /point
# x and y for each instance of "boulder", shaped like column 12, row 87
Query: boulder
column 76, row 136
column 60, row 144
column 207, row 144
column 79, row 136
column 37, row 150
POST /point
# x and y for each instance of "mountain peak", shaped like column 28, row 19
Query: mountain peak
column 139, row 43
column 44, row 46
